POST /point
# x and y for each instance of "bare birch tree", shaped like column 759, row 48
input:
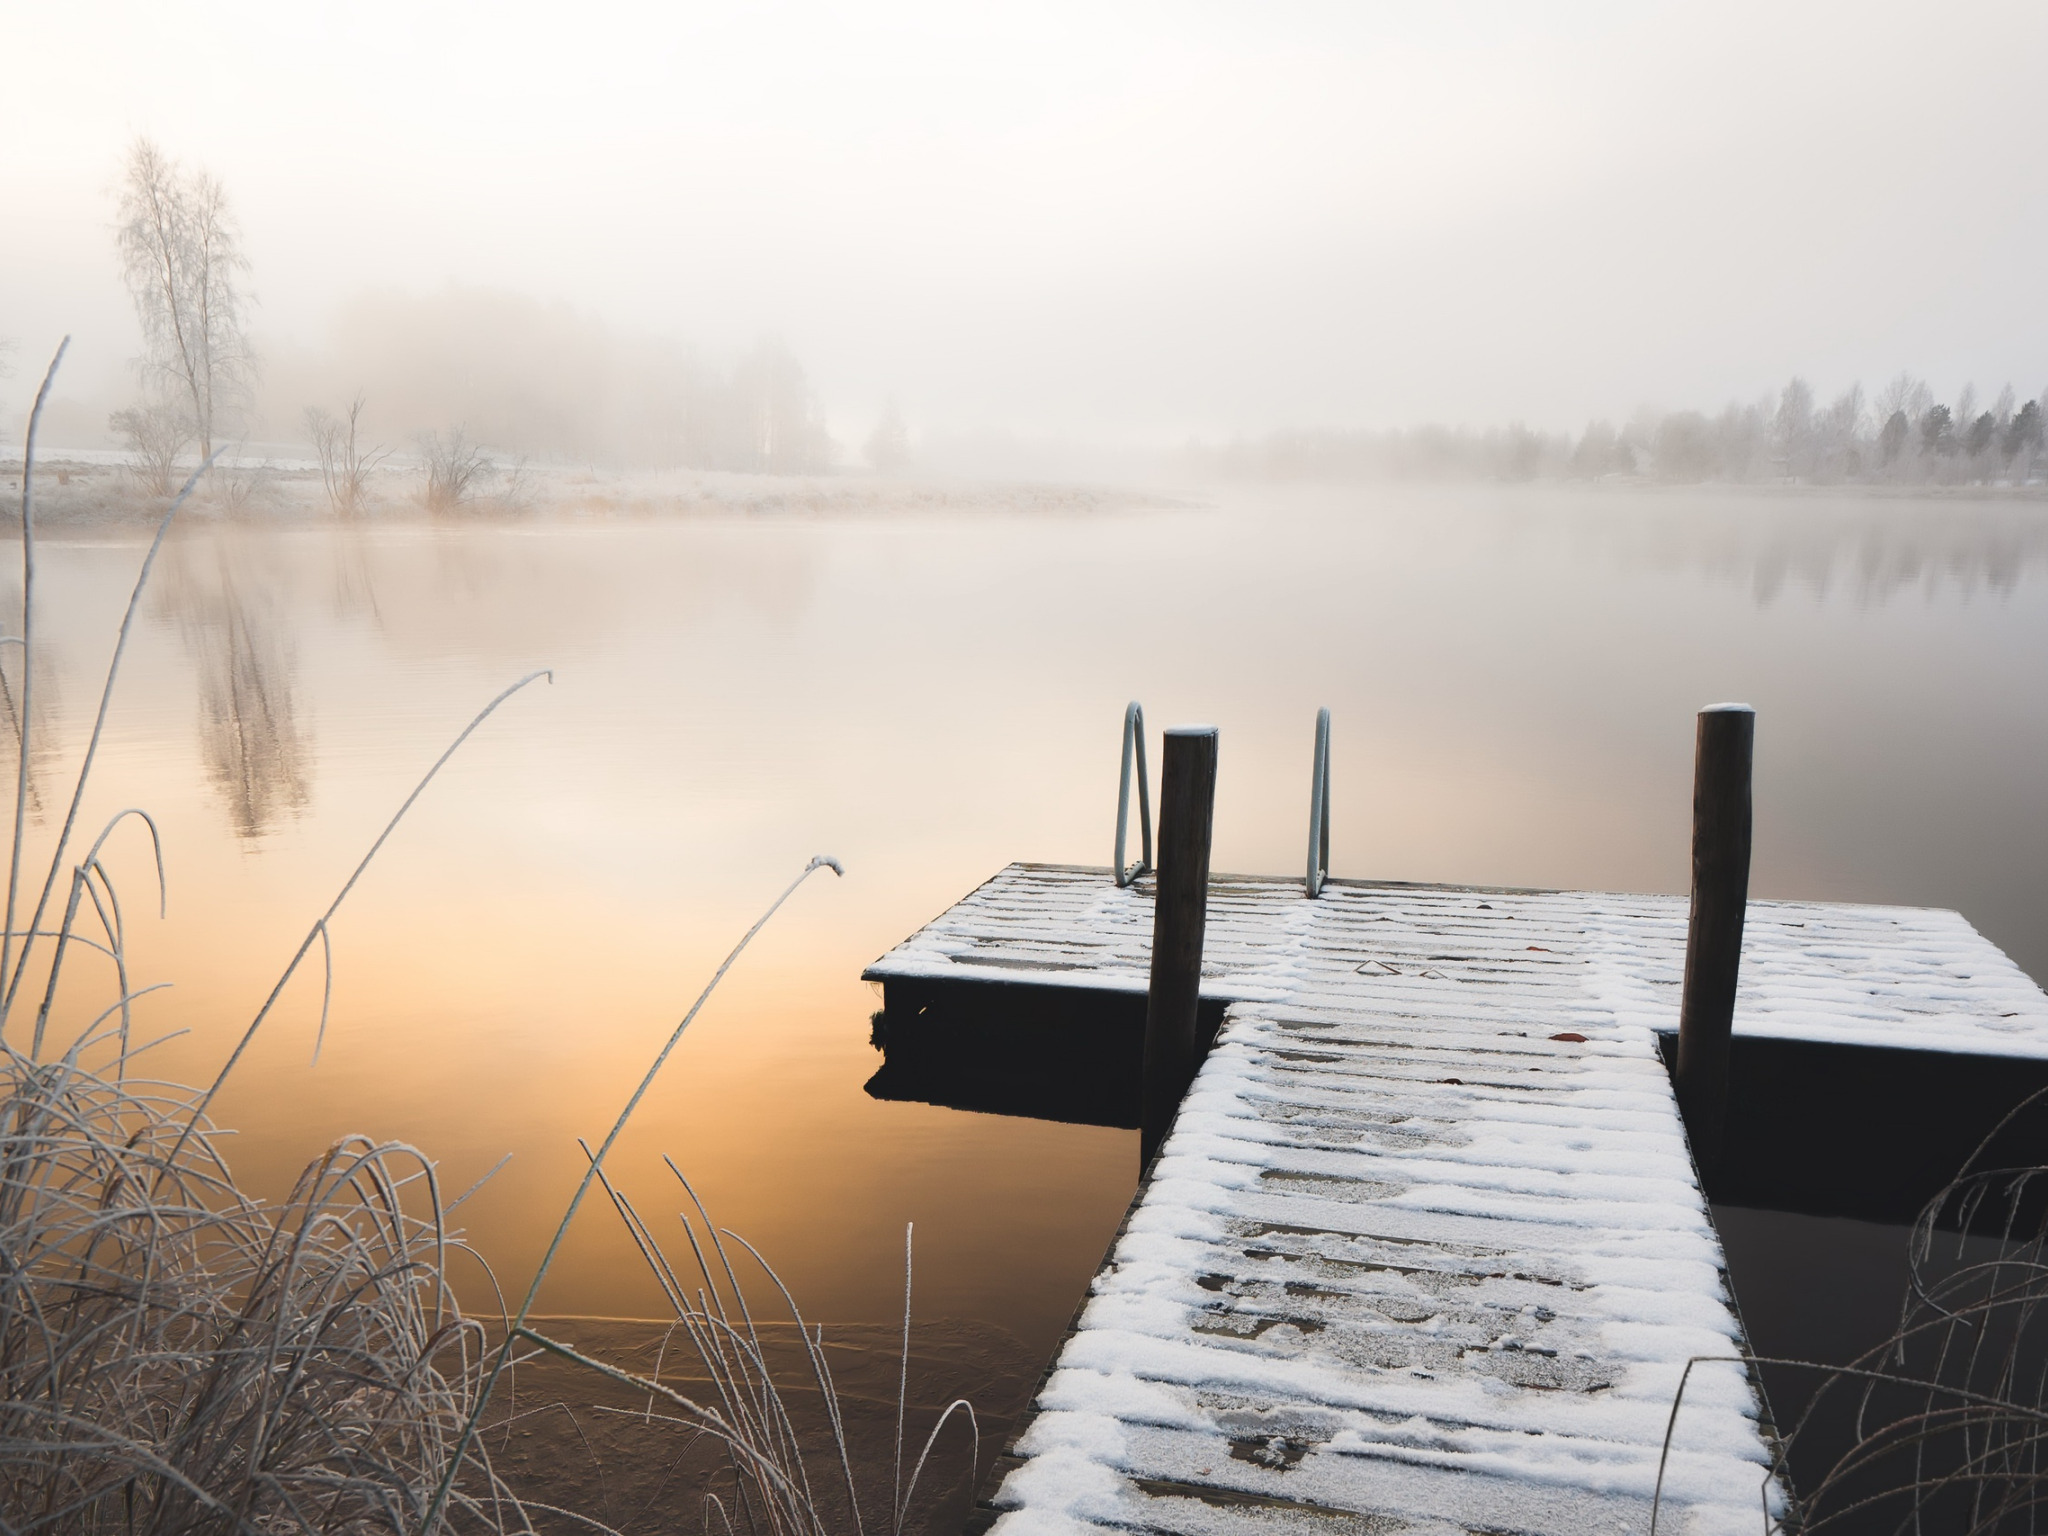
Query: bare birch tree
column 182, row 257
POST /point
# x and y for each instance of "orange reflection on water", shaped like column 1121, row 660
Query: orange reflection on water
column 928, row 697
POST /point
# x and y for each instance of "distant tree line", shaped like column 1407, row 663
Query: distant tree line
column 518, row 376
column 491, row 374
column 509, row 376
column 1904, row 437
column 760, row 416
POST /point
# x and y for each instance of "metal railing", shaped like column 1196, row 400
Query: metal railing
column 1134, row 757
column 1134, row 746
column 1319, row 809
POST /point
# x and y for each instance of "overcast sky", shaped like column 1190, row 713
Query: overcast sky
column 1103, row 220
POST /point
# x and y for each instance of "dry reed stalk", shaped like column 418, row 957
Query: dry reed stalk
column 1950, row 1412
column 174, row 1354
column 771, row 1484
column 177, row 1356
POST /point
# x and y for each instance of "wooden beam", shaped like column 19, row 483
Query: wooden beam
column 1173, row 1043
column 1725, row 746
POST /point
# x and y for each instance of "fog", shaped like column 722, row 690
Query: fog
column 849, row 411
column 1063, row 225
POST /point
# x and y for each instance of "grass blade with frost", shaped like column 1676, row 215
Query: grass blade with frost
column 902, row 1383
column 441, row 1495
column 27, row 639
column 10, row 981
column 320, row 924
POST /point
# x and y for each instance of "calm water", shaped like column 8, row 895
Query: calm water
column 1512, row 674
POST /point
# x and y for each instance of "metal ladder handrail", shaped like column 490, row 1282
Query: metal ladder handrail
column 1319, row 809
column 1134, row 744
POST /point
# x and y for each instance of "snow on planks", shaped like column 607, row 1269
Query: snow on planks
column 1912, row 977
column 1425, row 1251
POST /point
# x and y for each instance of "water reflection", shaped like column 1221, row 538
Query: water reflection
column 1869, row 551
column 355, row 584
column 929, row 695
column 234, row 616
column 1067, row 1054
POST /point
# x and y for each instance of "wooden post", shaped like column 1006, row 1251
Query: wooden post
column 1173, row 1045
column 1713, row 936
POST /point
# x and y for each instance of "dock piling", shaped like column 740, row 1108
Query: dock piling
column 1173, row 1043
column 1722, row 759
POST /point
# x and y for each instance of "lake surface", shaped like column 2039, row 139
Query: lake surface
column 928, row 695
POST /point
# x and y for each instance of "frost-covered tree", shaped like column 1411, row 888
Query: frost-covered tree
column 1600, row 452
column 1966, row 406
column 456, row 469
column 1838, row 436
column 1891, row 438
column 346, row 461
column 1685, row 447
column 1795, row 427
column 156, row 434
column 181, row 255
column 888, row 446
column 2001, row 408
column 777, row 426
column 1937, row 430
column 2024, row 433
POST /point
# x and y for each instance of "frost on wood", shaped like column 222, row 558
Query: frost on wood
column 1912, row 977
column 1424, row 1251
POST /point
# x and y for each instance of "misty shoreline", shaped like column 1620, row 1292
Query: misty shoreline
column 94, row 492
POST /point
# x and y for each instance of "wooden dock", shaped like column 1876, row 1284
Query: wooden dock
column 1425, row 1251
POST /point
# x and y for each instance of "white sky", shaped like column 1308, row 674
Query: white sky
column 1107, row 221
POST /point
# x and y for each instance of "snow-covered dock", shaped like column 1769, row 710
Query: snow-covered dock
column 1425, row 1251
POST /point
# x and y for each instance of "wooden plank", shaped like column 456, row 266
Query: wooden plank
column 1425, row 1250
column 1405, row 1265
column 1903, row 977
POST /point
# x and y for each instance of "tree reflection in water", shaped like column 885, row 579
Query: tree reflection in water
column 355, row 587
column 251, row 740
